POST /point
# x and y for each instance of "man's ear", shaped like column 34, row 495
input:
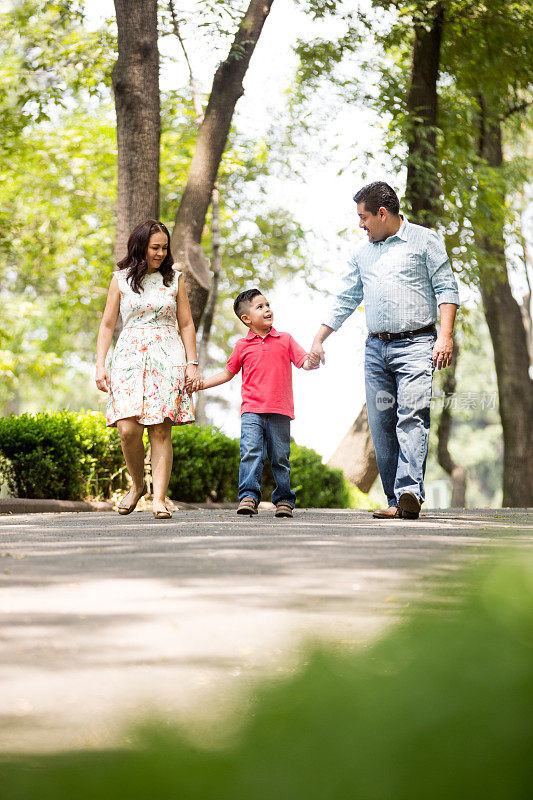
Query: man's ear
column 382, row 211
column 246, row 319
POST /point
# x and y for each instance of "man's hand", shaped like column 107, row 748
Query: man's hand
column 317, row 354
column 443, row 351
column 317, row 348
column 311, row 362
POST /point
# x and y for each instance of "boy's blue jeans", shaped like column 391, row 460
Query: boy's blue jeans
column 262, row 434
column 398, row 377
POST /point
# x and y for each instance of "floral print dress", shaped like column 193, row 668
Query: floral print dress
column 148, row 367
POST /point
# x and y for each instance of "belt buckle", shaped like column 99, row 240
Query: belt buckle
column 385, row 337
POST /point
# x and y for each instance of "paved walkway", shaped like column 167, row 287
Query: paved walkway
column 104, row 617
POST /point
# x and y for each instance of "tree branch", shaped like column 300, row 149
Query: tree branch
column 516, row 109
column 195, row 96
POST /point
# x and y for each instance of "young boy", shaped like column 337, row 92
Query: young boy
column 265, row 357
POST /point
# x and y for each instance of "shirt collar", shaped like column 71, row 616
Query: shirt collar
column 252, row 335
column 401, row 233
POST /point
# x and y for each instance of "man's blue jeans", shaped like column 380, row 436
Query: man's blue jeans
column 398, row 377
column 262, row 434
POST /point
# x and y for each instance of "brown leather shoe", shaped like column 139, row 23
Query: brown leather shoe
column 410, row 505
column 392, row 512
column 283, row 509
column 247, row 507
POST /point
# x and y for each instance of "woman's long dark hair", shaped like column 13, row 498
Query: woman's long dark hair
column 136, row 262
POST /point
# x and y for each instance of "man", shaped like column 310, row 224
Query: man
column 402, row 274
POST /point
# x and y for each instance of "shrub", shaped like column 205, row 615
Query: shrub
column 315, row 484
column 39, row 456
column 69, row 456
column 206, row 464
column 100, row 454
column 62, row 454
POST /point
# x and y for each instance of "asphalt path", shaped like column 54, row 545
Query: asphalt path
column 105, row 618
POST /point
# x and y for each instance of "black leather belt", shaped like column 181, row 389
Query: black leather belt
column 390, row 337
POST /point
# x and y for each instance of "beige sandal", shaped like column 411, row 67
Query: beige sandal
column 128, row 509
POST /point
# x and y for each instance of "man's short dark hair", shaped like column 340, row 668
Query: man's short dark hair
column 243, row 301
column 377, row 195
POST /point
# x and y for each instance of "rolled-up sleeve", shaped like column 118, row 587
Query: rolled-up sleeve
column 440, row 272
column 348, row 298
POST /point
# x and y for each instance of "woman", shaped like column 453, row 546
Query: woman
column 153, row 368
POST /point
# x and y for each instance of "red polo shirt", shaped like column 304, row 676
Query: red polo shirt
column 266, row 371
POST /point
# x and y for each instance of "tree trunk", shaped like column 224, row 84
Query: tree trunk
column 216, row 263
column 457, row 473
column 212, row 137
column 423, row 188
column 356, row 456
column 136, row 87
column 506, row 326
column 356, row 452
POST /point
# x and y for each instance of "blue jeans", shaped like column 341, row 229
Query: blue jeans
column 262, row 434
column 398, row 377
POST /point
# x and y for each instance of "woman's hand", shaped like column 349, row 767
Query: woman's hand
column 193, row 379
column 102, row 379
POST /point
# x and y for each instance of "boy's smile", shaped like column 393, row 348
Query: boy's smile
column 260, row 316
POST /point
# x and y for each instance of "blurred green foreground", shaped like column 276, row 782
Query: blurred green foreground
column 442, row 707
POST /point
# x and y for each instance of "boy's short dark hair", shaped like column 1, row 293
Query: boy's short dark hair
column 377, row 195
column 243, row 300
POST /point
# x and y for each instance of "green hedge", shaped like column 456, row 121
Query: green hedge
column 69, row 456
column 63, row 455
column 315, row 484
column 206, row 465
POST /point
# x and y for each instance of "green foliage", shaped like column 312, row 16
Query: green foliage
column 315, row 484
column 61, row 455
column 47, row 58
column 99, row 453
column 57, row 195
column 206, row 464
column 260, row 242
column 439, row 708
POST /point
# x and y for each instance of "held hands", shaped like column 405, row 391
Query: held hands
column 312, row 361
column 317, row 354
column 442, row 352
column 193, row 379
column 102, row 379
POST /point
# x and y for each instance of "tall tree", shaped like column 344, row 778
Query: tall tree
column 136, row 87
column 212, row 138
column 422, row 191
column 489, row 55
column 508, row 333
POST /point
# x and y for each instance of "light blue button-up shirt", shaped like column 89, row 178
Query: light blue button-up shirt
column 401, row 280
